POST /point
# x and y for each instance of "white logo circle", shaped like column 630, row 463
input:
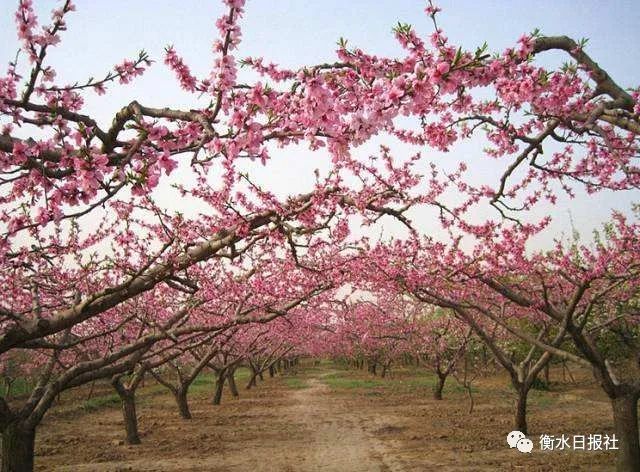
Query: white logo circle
column 513, row 437
column 525, row 445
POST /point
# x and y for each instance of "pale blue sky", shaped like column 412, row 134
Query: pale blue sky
column 295, row 32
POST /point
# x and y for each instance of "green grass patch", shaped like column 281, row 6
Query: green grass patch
column 342, row 380
column 203, row 382
column 19, row 388
column 400, row 380
column 540, row 398
column 539, row 384
column 295, row 382
column 101, row 402
column 419, row 381
column 244, row 373
column 427, row 382
column 206, row 381
column 456, row 387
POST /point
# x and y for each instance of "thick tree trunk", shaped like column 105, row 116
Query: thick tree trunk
column 252, row 381
column 438, row 387
column 231, row 381
column 129, row 415
column 183, row 404
column 272, row 371
column 217, row 397
column 625, row 420
column 260, row 375
column 17, row 448
column 521, row 410
column 470, row 395
column 546, row 374
column 130, row 418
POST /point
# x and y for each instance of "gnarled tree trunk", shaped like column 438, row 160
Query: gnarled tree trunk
column 231, row 381
column 129, row 415
column 252, row 380
column 217, row 397
column 18, row 447
column 183, row 405
column 130, row 418
column 521, row 409
column 439, row 386
column 625, row 420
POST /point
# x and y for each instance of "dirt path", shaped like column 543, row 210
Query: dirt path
column 338, row 441
column 309, row 422
column 272, row 428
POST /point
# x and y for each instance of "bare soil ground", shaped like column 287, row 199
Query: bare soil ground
column 327, row 419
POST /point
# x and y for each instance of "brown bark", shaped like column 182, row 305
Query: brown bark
column 252, row 381
column 438, row 387
column 546, row 374
column 129, row 415
column 17, row 448
column 217, row 397
column 183, row 405
column 231, row 381
column 130, row 418
column 625, row 420
column 521, row 409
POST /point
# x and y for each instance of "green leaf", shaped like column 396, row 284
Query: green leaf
column 457, row 58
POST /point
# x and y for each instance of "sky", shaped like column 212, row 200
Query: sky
column 293, row 33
